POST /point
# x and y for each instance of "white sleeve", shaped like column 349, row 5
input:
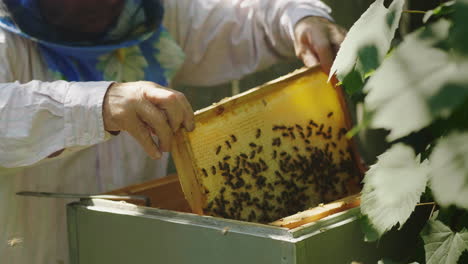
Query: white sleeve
column 225, row 40
column 39, row 118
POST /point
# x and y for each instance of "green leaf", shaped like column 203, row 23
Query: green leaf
column 441, row 244
column 449, row 170
column 393, row 187
column 443, row 9
column 353, row 82
column 459, row 32
column 370, row 233
column 404, row 89
column 368, row 40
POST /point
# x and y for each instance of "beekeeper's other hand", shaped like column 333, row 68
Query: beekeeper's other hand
column 317, row 40
column 145, row 108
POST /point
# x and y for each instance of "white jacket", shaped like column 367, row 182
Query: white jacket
column 223, row 40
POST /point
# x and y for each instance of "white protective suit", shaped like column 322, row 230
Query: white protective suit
column 223, row 40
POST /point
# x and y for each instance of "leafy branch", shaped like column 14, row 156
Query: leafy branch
column 419, row 93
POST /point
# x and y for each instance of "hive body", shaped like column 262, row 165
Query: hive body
column 272, row 152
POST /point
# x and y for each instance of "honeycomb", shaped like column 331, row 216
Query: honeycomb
column 273, row 151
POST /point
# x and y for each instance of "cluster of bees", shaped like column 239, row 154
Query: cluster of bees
column 296, row 173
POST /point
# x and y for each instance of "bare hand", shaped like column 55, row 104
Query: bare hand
column 145, row 108
column 317, row 40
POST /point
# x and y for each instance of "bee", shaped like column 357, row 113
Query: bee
column 279, row 175
column 234, row 139
column 259, row 133
column 213, row 170
column 302, row 134
column 292, row 135
column 204, row 172
column 259, row 150
column 226, row 157
column 298, row 127
column 330, row 114
column 270, row 186
column 218, row 149
column 274, row 154
column 228, row 144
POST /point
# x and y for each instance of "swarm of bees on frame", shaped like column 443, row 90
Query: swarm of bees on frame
column 293, row 175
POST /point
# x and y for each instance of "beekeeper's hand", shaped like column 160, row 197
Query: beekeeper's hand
column 145, row 108
column 317, row 40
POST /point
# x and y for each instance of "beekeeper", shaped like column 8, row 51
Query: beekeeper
column 76, row 73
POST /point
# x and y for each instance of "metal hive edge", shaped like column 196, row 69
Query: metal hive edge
column 221, row 224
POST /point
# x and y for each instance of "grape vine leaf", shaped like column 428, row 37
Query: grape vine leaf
column 368, row 40
column 449, row 170
column 407, row 84
column 441, row 244
column 393, row 187
column 459, row 31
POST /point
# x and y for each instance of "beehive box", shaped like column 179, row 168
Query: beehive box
column 113, row 232
column 270, row 152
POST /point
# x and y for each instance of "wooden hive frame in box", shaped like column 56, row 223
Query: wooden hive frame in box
column 237, row 145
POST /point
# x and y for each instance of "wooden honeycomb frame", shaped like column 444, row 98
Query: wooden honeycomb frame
column 188, row 157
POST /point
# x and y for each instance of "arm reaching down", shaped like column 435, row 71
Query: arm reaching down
column 225, row 40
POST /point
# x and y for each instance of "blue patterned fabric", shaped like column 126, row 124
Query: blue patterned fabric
column 129, row 51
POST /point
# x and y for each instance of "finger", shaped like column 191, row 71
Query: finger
column 300, row 46
column 309, row 58
column 174, row 112
column 304, row 52
column 153, row 117
column 176, row 105
column 189, row 121
column 323, row 50
column 337, row 36
column 139, row 131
